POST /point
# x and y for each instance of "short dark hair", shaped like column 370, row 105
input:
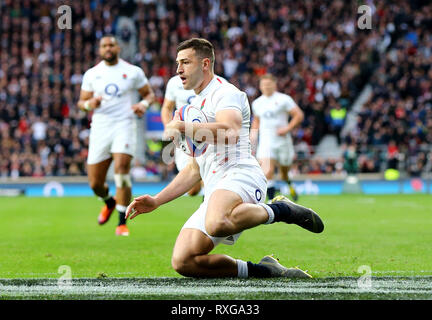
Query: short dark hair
column 109, row 35
column 203, row 48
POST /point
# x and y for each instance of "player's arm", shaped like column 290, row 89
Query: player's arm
column 147, row 93
column 87, row 102
column 296, row 118
column 225, row 129
column 183, row 182
column 167, row 111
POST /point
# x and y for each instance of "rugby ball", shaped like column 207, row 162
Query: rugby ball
column 192, row 148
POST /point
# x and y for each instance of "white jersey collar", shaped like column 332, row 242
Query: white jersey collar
column 206, row 90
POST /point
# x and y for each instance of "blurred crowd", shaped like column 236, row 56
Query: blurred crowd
column 314, row 48
column 398, row 114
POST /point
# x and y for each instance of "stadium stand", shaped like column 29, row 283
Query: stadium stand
column 394, row 126
column 314, row 48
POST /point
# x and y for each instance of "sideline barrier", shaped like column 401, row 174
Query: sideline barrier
column 319, row 185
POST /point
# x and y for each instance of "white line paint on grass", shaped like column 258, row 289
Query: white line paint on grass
column 402, row 287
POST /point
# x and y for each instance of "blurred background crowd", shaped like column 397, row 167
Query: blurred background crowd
column 315, row 49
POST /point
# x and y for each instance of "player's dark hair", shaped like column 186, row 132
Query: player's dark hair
column 203, row 48
column 109, row 35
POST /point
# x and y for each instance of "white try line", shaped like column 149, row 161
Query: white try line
column 401, row 286
column 8, row 290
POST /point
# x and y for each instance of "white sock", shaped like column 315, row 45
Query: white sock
column 269, row 211
column 242, row 269
column 121, row 208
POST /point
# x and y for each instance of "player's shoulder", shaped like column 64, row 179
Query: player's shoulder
column 224, row 87
column 95, row 68
column 278, row 94
column 259, row 99
column 259, row 102
column 127, row 65
column 282, row 95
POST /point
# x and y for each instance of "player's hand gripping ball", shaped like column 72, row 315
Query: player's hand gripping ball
column 192, row 148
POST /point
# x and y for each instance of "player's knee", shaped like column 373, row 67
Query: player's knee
column 122, row 180
column 96, row 185
column 182, row 265
column 218, row 227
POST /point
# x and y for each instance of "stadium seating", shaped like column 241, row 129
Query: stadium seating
column 319, row 56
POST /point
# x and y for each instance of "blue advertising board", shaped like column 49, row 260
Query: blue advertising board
column 309, row 187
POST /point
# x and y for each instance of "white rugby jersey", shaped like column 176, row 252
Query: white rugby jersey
column 220, row 95
column 272, row 112
column 118, row 85
column 175, row 92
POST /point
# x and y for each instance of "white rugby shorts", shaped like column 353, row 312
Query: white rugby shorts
column 110, row 137
column 282, row 153
column 248, row 182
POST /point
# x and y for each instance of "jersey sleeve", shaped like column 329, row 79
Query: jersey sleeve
column 170, row 90
column 86, row 84
column 289, row 103
column 141, row 79
column 230, row 99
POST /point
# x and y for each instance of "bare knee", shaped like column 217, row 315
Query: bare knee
column 184, row 265
column 218, row 227
column 96, row 185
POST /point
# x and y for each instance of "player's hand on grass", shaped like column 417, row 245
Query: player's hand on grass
column 143, row 204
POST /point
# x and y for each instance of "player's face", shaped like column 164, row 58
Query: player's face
column 190, row 69
column 109, row 49
column 267, row 87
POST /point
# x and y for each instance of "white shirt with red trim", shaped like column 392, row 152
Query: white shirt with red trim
column 118, row 85
column 217, row 96
column 273, row 113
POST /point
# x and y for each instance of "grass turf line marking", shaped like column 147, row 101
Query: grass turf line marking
column 123, row 287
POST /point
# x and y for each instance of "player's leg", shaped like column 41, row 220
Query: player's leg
column 191, row 257
column 285, row 177
column 123, row 185
column 267, row 155
column 268, row 167
column 97, row 176
column 285, row 157
column 235, row 205
column 227, row 214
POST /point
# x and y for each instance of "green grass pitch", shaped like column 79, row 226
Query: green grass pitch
column 390, row 234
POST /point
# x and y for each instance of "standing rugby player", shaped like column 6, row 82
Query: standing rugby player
column 109, row 90
column 275, row 147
